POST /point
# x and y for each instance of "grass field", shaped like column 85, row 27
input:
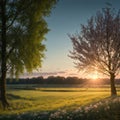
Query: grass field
column 51, row 99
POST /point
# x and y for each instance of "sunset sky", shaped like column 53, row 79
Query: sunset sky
column 65, row 19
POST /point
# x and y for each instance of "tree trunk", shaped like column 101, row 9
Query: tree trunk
column 4, row 102
column 112, row 82
column 3, row 55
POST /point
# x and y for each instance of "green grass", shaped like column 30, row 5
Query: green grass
column 49, row 99
column 37, row 100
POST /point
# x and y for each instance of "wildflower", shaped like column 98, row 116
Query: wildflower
column 78, row 110
column 106, row 102
column 68, row 117
column 95, row 106
column 108, row 107
column 86, row 109
column 115, row 100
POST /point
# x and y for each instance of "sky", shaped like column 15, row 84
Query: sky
column 66, row 18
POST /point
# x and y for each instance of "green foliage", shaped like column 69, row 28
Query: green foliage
column 25, row 31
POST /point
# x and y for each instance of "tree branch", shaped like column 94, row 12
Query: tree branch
column 18, row 12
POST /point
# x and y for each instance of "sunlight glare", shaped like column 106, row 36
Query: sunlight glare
column 94, row 75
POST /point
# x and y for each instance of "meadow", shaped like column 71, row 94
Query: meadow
column 37, row 102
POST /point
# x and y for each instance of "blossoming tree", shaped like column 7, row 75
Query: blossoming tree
column 98, row 45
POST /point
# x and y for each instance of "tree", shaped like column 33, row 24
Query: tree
column 22, row 30
column 97, row 47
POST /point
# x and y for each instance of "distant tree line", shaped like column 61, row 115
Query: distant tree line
column 58, row 80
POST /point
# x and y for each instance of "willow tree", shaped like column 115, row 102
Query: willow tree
column 98, row 45
column 22, row 31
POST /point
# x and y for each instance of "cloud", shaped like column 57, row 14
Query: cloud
column 64, row 73
column 52, row 73
column 44, row 74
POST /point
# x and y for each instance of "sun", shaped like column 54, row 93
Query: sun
column 94, row 75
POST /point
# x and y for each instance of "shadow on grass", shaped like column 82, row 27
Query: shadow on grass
column 12, row 97
column 73, row 90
